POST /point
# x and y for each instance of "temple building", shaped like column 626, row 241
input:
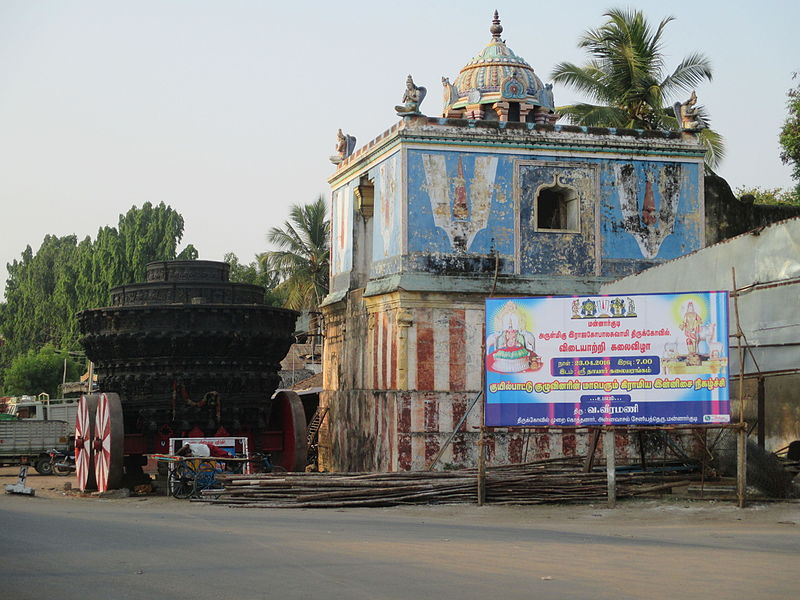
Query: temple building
column 492, row 198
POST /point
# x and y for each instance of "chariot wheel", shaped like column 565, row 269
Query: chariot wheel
column 108, row 442
column 293, row 423
column 84, row 435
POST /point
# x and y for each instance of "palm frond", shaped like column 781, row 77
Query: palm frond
column 714, row 144
column 626, row 74
column 300, row 261
column 592, row 115
column 692, row 71
column 584, row 79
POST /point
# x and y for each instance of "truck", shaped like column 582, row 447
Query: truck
column 42, row 408
column 24, row 441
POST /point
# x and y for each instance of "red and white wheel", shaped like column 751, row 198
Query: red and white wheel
column 84, row 435
column 108, row 446
column 293, row 422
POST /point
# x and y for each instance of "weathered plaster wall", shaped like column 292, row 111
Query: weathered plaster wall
column 728, row 216
column 341, row 234
column 558, row 253
column 453, row 221
column 767, row 270
column 404, row 431
column 460, row 201
column 388, row 232
column 781, row 407
column 633, row 213
column 400, row 373
column 364, row 242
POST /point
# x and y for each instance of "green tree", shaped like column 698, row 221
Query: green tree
column 40, row 371
column 147, row 234
column 627, row 80
column 39, row 297
column 255, row 274
column 790, row 135
column 769, row 195
column 47, row 288
column 301, row 259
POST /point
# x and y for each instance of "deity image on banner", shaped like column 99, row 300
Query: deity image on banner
column 510, row 348
column 695, row 349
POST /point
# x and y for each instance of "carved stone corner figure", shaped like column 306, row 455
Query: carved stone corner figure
column 345, row 144
column 412, row 98
column 450, row 92
column 688, row 114
column 546, row 97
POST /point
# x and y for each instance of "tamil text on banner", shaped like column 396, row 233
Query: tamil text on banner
column 639, row 359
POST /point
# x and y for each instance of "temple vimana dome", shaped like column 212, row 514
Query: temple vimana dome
column 490, row 197
column 498, row 85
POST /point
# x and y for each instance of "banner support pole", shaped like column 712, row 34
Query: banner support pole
column 611, row 467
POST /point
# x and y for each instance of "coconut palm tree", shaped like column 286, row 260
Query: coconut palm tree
column 627, row 81
column 301, row 258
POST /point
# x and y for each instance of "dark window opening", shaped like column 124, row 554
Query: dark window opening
column 490, row 114
column 513, row 112
column 557, row 208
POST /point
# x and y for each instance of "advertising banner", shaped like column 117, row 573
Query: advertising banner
column 638, row 359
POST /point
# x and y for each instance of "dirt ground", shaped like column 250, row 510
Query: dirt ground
column 50, row 486
column 678, row 506
column 671, row 547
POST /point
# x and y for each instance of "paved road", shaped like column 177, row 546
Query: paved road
column 158, row 548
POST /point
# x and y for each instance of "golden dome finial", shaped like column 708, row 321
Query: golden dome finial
column 496, row 29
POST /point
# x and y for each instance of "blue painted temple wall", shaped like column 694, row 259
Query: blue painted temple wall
column 468, row 200
column 342, row 230
column 386, row 224
column 632, row 213
column 387, row 230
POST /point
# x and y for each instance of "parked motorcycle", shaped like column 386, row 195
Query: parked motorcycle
column 62, row 463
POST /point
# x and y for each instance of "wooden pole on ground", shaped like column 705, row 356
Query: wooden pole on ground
column 741, row 433
column 741, row 465
column 762, row 414
column 481, row 468
column 481, row 491
column 611, row 467
column 589, row 462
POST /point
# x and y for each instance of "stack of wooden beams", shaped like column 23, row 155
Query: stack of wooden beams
column 551, row 481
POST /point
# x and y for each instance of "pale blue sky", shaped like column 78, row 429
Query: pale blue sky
column 228, row 110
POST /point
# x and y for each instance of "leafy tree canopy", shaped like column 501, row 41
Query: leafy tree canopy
column 40, row 371
column 46, row 288
column 301, row 260
column 627, row 81
column 254, row 273
column 790, row 134
column 769, row 195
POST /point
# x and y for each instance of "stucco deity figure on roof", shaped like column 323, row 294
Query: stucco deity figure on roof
column 345, row 144
column 450, row 92
column 688, row 115
column 546, row 96
column 412, row 98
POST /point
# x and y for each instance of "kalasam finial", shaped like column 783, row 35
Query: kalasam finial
column 496, row 29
